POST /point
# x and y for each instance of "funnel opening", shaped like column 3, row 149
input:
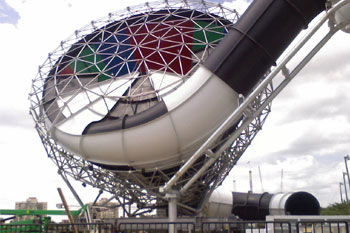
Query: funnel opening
column 302, row 203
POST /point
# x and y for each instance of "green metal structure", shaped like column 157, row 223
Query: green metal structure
column 33, row 225
column 41, row 212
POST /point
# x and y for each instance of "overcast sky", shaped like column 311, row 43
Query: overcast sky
column 307, row 133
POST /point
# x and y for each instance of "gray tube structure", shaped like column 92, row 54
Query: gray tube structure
column 253, row 206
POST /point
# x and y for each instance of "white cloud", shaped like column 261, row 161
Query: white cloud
column 25, row 169
column 8, row 15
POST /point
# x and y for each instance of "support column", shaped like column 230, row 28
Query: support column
column 172, row 197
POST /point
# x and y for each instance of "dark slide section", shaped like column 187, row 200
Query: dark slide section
column 259, row 37
column 254, row 206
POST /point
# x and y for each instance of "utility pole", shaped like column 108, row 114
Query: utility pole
column 341, row 194
column 346, row 158
column 251, row 181
column 346, row 191
column 282, row 181
column 261, row 182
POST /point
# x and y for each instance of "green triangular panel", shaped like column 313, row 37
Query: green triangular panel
column 206, row 31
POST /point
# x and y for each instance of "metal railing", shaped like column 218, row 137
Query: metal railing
column 11, row 228
column 81, row 228
column 322, row 227
column 184, row 227
column 156, row 227
column 247, row 227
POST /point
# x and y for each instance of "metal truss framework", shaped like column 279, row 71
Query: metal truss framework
column 251, row 109
column 131, row 186
column 205, row 170
column 147, row 196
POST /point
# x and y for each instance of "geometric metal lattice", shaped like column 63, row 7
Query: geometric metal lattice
column 86, row 74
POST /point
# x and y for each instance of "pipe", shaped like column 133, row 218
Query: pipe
column 298, row 203
column 252, row 206
column 346, row 158
column 71, row 220
column 346, row 191
column 249, row 206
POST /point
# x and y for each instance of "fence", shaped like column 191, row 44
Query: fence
column 322, row 227
column 55, row 228
column 9, row 228
column 247, row 227
column 81, row 228
column 156, row 227
column 237, row 227
column 186, row 227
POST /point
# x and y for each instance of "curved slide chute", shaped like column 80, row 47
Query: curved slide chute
column 131, row 95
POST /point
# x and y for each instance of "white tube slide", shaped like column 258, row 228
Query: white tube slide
column 193, row 111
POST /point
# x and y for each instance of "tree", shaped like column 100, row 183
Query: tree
column 337, row 209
